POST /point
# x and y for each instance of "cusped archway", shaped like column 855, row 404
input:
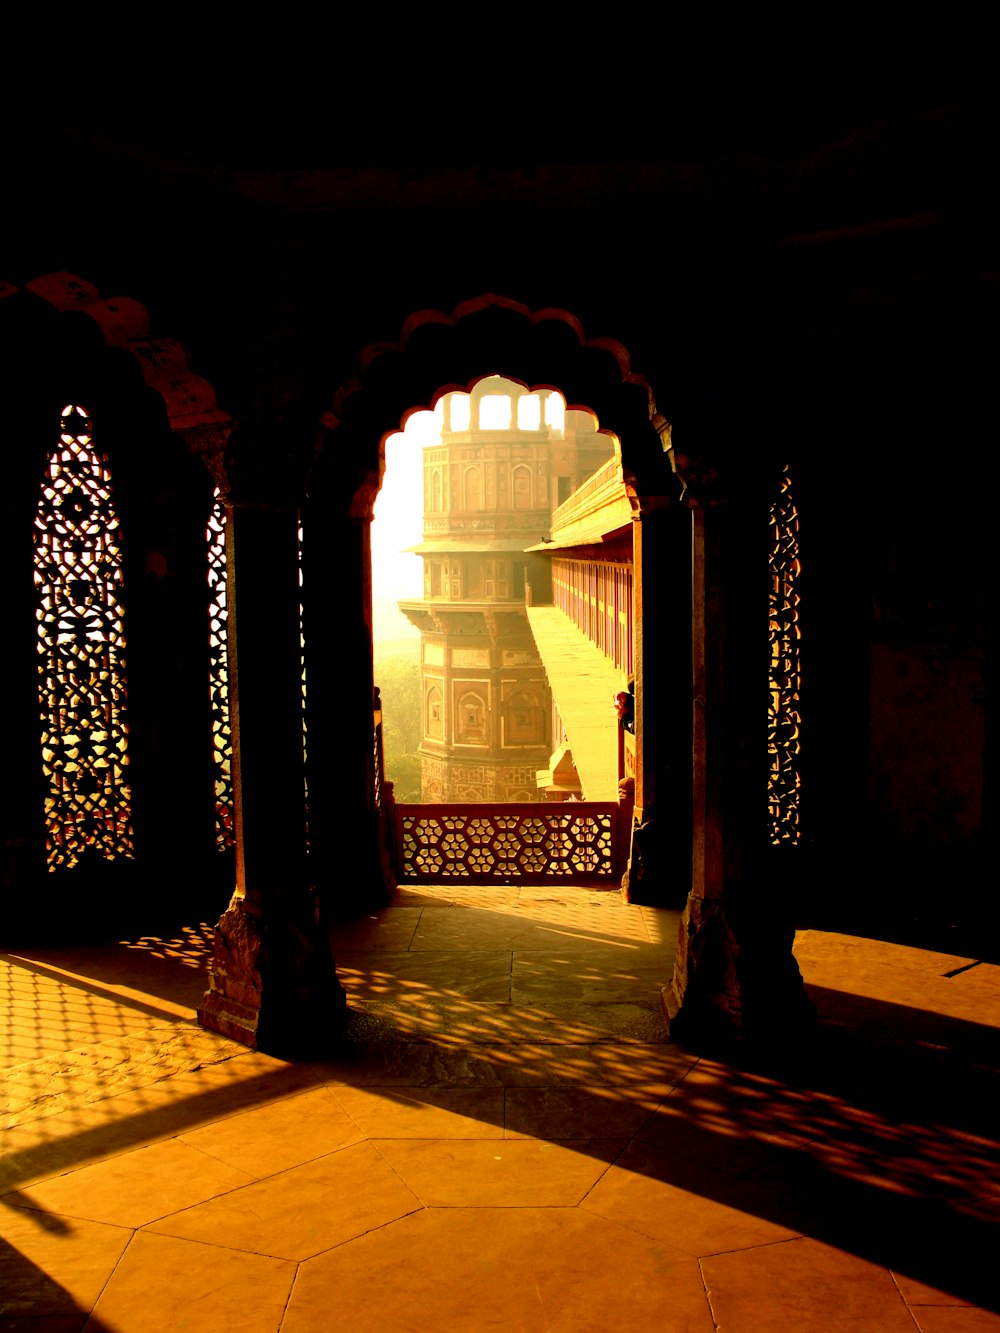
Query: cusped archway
column 435, row 353
column 439, row 351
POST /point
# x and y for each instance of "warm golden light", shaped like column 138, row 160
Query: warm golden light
column 81, row 644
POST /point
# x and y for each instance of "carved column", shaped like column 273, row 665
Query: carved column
column 273, row 982
column 735, row 974
column 347, row 844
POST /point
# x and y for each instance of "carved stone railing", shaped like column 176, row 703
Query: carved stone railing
column 600, row 500
column 570, row 842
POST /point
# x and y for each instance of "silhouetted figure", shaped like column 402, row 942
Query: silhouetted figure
column 625, row 707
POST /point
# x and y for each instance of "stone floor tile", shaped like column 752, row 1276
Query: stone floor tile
column 802, row 1286
column 957, row 985
column 165, row 1285
column 380, row 930
column 915, row 1292
column 54, row 1002
column 53, row 1265
column 455, row 895
column 50, row 1323
column 157, row 1111
column 594, row 974
column 303, row 1211
column 433, row 1063
column 916, row 1159
column 403, row 976
column 621, row 1065
column 662, row 924
column 604, row 919
column 694, row 1209
column 96, row 1072
column 482, row 1173
column 284, row 1133
column 391, row 1063
column 137, row 1187
column 596, row 898
column 440, row 1113
column 466, row 1023
column 480, row 1269
column 705, row 1126
column 539, row 925
column 577, row 1112
column 955, row 1319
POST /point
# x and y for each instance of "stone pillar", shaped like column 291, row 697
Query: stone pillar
column 659, row 870
column 347, row 838
column 735, row 975
column 273, row 983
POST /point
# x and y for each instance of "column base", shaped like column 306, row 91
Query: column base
column 272, row 987
column 734, row 986
column 654, row 877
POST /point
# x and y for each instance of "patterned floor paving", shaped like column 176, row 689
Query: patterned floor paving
column 503, row 1136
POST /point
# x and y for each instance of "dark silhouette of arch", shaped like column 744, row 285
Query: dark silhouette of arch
column 63, row 342
column 438, row 352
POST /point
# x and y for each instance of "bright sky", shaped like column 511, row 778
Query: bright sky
column 398, row 523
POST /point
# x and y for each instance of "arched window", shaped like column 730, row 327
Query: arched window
column 495, row 411
column 523, row 719
column 471, row 728
column 473, row 489
column 522, row 488
column 529, row 412
column 82, row 687
column 434, row 722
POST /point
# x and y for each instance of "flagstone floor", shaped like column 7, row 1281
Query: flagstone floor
column 503, row 1138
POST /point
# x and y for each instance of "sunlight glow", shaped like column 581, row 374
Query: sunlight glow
column 397, row 523
column 494, row 412
column 555, row 412
column 460, row 407
column 529, row 412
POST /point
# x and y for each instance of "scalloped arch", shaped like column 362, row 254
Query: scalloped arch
column 439, row 351
column 190, row 400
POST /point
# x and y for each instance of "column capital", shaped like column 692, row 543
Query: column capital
column 256, row 468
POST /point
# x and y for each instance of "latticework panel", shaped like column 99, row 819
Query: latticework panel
column 378, row 756
column 784, row 634
column 82, row 688
column 302, row 694
column 222, row 736
column 572, row 842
